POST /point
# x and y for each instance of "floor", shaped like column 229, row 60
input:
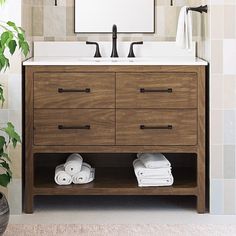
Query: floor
column 117, row 210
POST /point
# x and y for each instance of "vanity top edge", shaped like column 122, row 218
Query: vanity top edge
column 76, row 61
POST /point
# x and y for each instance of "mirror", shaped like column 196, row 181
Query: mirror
column 130, row 16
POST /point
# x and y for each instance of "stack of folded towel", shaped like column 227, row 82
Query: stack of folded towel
column 153, row 170
column 74, row 171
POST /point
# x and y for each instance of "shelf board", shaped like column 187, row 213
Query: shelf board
column 114, row 181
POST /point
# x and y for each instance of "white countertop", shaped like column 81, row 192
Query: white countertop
column 76, row 61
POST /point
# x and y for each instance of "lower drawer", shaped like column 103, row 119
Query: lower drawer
column 156, row 127
column 74, row 127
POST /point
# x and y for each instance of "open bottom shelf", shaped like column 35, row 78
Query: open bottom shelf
column 115, row 181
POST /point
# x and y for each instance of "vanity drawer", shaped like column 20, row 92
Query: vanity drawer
column 156, row 90
column 74, row 90
column 156, row 127
column 74, row 127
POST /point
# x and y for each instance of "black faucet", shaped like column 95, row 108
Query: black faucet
column 114, row 52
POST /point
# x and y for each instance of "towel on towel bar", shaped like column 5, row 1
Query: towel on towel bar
column 153, row 160
column 86, row 175
column 73, row 164
column 184, row 35
column 158, row 182
column 61, row 177
column 142, row 172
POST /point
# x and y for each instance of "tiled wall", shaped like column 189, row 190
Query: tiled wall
column 57, row 23
column 223, row 106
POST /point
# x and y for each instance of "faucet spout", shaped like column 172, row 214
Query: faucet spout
column 114, row 52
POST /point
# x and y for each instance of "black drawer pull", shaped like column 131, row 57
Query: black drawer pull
column 156, row 127
column 143, row 90
column 74, row 127
column 61, row 90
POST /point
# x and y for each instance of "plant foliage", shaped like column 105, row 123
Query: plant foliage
column 11, row 37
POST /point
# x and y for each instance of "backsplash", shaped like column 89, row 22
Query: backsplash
column 56, row 23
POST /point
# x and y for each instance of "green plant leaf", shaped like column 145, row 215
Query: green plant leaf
column 13, row 135
column 4, row 37
column 5, row 156
column 12, row 46
column 5, row 179
column 2, row 98
column 25, row 48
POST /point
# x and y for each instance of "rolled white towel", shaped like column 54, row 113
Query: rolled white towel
column 150, row 182
column 141, row 171
column 154, row 160
column 73, row 164
column 61, row 177
column 86, row 175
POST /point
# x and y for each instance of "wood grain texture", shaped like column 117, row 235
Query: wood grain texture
column 183, row 86
column 28, row 143
column 113, row 130
column 115, row 149
column 128, row 130
column 102, row 131
column 201, row 164
column 115, row 181
column 101, row 95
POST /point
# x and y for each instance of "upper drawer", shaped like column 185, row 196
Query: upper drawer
column 156, row 90
column 74, row 90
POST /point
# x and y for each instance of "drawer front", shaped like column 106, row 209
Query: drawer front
column 74, row 90
column 156, row 90
column 74, row 127
column 156, row 127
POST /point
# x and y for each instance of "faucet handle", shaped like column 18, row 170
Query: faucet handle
column 131, row 50
column 97, row 53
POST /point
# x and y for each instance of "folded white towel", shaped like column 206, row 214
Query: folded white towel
column 150, row 182
column 141, row 171
column 61, row 177
column 86, row 175
column 184, row 35
column 153, row 160
column 73, row 164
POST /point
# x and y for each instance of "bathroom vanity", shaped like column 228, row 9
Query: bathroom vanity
column 108, row 111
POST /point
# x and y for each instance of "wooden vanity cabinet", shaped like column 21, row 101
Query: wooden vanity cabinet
column 114, row 109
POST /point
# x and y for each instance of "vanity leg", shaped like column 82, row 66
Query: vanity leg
column 29, row 204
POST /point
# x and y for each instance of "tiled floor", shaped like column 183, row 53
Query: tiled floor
column 118, row 210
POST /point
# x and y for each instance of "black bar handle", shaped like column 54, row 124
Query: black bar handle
column 131, row 50
column 156, row 127
column 74, row 127
column 168, row 90
column 61, row 90
column 97, row 52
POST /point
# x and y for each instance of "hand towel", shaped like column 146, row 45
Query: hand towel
column 73, row 164
column 86, row 175
column 154, row 160
column 184, row 35
column 149, row 182
column 61, row 177
column 141, row 171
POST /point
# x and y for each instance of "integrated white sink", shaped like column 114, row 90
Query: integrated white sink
column 78, row 53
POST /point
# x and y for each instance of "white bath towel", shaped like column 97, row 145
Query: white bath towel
column 150, row 182
column 86, row 175
column 184, row 35
column 61, row 177
column 141, row 171
column 73, row 164
column 154, row 160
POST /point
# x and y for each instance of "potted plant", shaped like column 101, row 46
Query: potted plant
column 11, row 38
